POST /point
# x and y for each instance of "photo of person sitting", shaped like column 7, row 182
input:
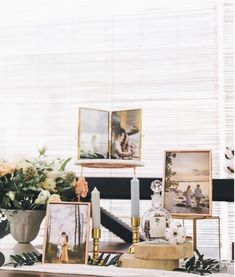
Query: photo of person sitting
column 126, row 147
column 117, row 151
column 198, row 195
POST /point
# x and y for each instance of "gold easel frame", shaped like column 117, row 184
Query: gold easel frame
column 109, row 129
column 194, row 219
column 190, row 215
column 83, row 109
column 139, row 123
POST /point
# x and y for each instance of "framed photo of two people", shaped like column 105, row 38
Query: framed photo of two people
column 66, row 238
column 104, row 134
column 187, row 182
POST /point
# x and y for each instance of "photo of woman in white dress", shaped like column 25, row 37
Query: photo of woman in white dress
column 188, row 182
column 188, row 194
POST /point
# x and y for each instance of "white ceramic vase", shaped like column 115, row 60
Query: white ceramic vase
column 24, row 225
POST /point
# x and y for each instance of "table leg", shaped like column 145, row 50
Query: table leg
column 233, row 250
column 219, row 238
column 194, row 234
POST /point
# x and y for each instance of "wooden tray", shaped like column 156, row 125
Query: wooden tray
column 109, row 163
column 150, row 251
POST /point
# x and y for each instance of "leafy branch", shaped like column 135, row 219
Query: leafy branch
column 200, row 266
column 32, row 258
column 168, row 170
column 25, row 259
column 104, row 261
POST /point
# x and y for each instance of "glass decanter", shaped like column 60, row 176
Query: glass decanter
column 156, row 219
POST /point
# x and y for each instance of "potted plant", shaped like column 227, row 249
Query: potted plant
column 25, row 189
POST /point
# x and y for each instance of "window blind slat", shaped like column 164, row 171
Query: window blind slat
column 165, row 59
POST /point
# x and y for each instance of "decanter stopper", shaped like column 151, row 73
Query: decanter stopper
column 156, row 187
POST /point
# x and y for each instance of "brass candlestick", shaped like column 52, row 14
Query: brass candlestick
column 96, row 233
column 135, row 223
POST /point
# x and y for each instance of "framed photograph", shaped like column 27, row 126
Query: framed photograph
column 126, row 134
column 67, row 232
column 187, row 182
column 93, row 134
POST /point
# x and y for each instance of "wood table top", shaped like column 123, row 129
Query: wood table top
column 12, row 273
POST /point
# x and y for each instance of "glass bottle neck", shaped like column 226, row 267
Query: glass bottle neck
column 156, row 200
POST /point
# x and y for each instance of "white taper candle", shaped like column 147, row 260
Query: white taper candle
column 135, row 197
column 95, row 202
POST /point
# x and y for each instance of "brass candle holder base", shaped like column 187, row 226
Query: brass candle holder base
column 135, row 223
column 96, row 234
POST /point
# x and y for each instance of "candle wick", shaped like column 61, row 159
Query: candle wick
column 134, row 171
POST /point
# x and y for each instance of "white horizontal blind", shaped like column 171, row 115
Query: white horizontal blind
column 228, row 39
column 173, row 59
column 170, row 58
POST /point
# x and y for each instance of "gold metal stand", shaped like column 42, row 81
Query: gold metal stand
column 195, row 218
column 135, row 223
column 194, row 234
column 96, row 234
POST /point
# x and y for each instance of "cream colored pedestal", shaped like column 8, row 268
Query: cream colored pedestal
column 157, row 256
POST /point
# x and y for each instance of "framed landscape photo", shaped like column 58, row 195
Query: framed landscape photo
column 187, row 182
column 126, row 134
column 67, row 231
column 93, row 134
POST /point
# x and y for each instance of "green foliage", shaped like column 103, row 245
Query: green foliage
column 25, row 259
column 32, row 258
column 64, row 163
column 200, row 266
column 104, row 261
column 29, row 184
column 168, row 171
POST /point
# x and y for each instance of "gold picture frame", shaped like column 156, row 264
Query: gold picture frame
column 187, row 182
column 104, row 135
column 93, row 134
column 126, row 132
column 67, row 229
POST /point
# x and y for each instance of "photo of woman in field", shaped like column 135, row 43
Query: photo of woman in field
column 67, row 230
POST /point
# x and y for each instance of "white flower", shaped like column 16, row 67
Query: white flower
column 53, row 174
column 42, row 197
column 54, row 198
column 70, row 176
column 175, row 233
column 42, row 150
column 27, row 167
column 11, row 194
column 180, row 239
column 49, row 184
column 169, row 233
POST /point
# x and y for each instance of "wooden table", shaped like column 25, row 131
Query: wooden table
column 12, row 273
